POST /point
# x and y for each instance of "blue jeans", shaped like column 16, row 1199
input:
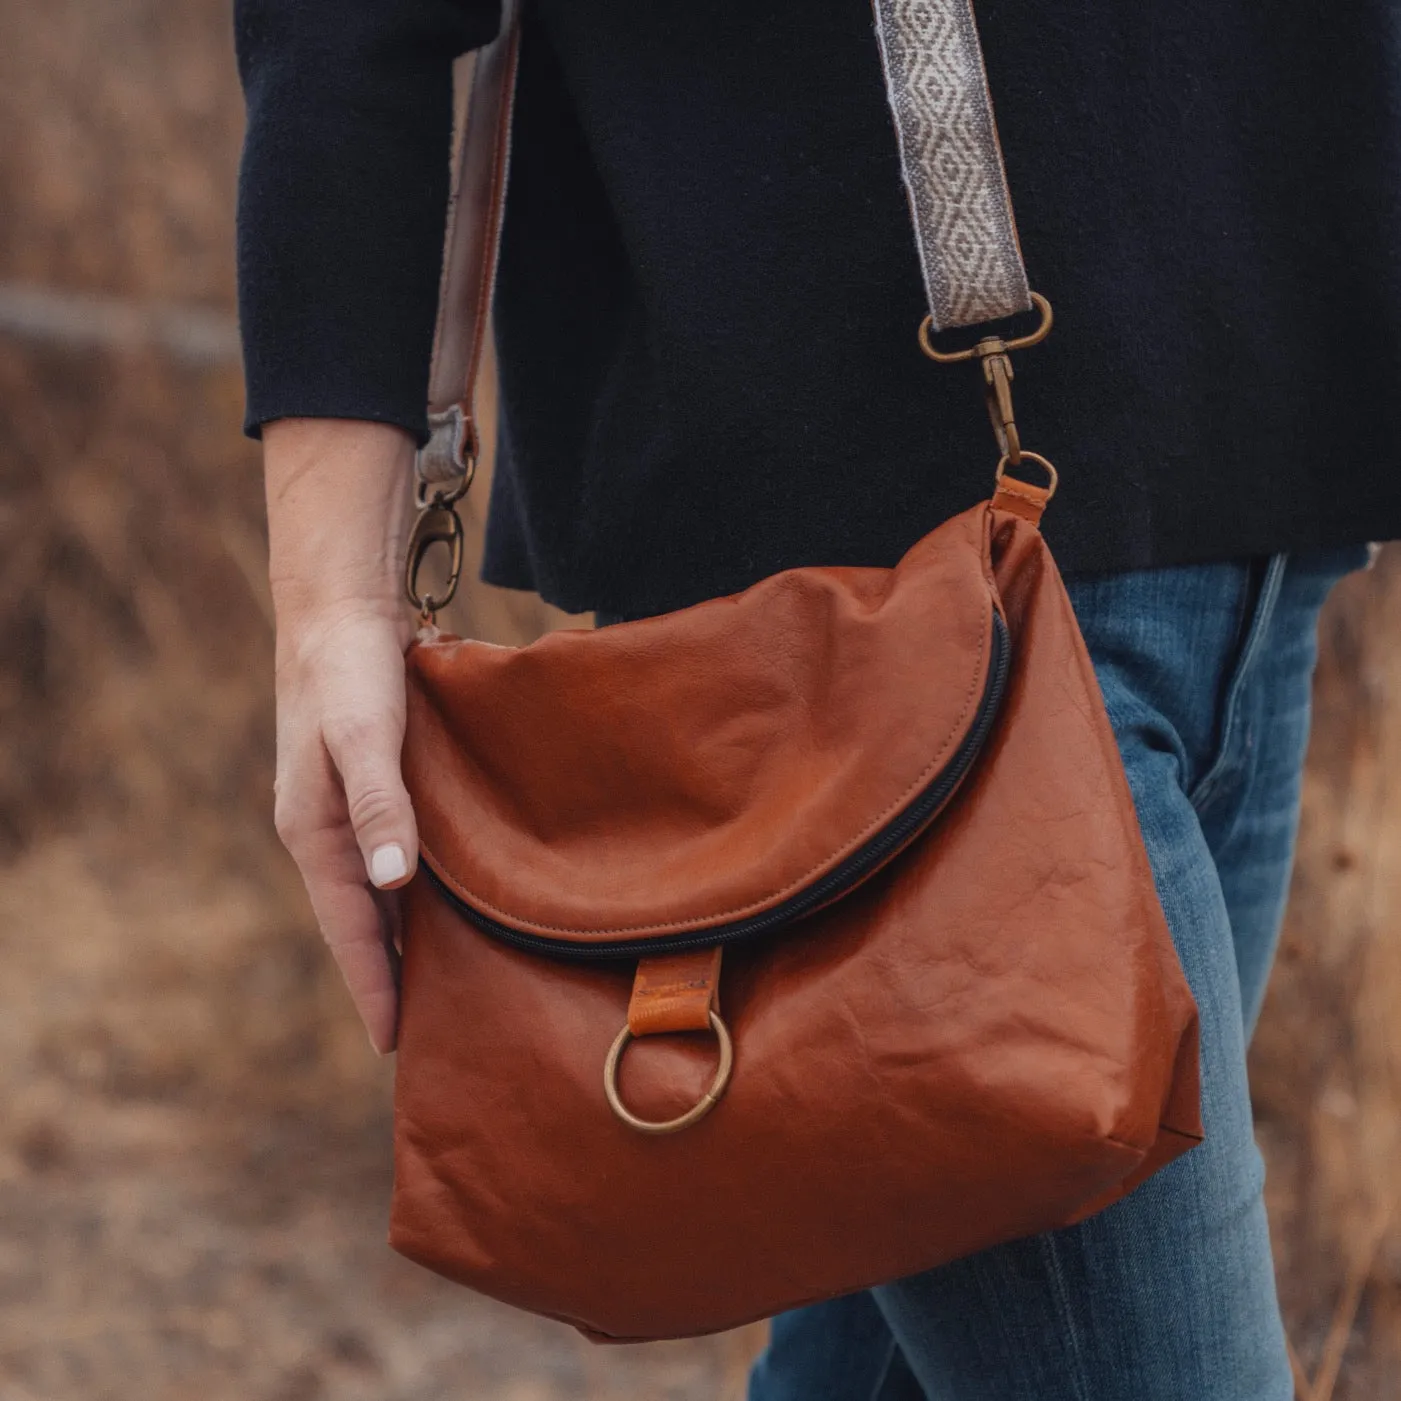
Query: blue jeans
column 1170, row 1293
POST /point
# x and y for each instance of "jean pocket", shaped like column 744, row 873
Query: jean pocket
column 1255, row 626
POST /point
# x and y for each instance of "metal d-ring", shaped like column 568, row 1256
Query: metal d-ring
column 989, row 345
column 994, row 355
column 697, row 1111
column 1053, row 477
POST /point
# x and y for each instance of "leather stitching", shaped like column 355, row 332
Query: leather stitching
column 1011, row 488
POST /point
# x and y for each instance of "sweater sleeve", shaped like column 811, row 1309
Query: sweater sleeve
column 342, row 199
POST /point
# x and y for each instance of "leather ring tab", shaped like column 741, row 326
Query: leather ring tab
column 1023, row 498
column 675, row 992
column 697, row 1111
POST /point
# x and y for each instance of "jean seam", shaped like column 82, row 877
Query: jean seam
column 1061, row 1296
column 883, row 1375
column 1265, row 604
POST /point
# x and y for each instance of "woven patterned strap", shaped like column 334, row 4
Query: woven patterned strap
column 951, row 161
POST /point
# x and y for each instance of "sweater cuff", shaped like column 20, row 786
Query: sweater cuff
column 343, row 195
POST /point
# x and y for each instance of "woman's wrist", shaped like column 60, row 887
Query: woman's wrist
column 338, row 505
column 338, row 497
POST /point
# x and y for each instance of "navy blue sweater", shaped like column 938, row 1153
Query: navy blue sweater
column 709, row 291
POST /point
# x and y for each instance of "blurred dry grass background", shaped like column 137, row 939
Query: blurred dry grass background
column 193, row 1135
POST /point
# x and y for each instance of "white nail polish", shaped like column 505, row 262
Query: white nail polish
column 388, row 864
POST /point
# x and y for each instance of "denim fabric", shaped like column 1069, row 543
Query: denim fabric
column 1170, row 1293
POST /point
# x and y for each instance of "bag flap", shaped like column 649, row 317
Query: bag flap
column 688, row 771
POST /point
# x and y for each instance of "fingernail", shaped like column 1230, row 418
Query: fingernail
column 388, row 864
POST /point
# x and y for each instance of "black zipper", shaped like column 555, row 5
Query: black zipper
column 903, row 828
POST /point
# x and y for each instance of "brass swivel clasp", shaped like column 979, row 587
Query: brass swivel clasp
column 443, row 468
column 998, row 374
column 438, row 524
column 994, row 355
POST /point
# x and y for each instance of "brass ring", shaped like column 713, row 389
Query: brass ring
column 1028, row 455
column 697, row 1111
column 951, row 357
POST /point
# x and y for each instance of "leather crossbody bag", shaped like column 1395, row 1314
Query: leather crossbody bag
column 799, row 940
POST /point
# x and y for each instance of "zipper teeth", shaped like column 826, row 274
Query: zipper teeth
column 902, row 829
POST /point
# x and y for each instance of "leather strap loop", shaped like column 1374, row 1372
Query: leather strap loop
column 677, row 992
column 485, row 83
column 1023, row 498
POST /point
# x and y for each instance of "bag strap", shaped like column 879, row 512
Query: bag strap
column 484, row 85
column 960, row 211
column 951, row 161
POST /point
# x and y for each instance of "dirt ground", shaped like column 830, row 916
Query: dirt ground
column 194, row 1172
column 194, row 1163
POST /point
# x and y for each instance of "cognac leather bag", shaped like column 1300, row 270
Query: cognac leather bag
column 789, row 943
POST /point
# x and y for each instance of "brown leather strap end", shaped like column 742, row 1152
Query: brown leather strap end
column 675, row 992
column 1022, row 499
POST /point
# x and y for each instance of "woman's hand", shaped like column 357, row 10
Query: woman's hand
column 338, row 508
